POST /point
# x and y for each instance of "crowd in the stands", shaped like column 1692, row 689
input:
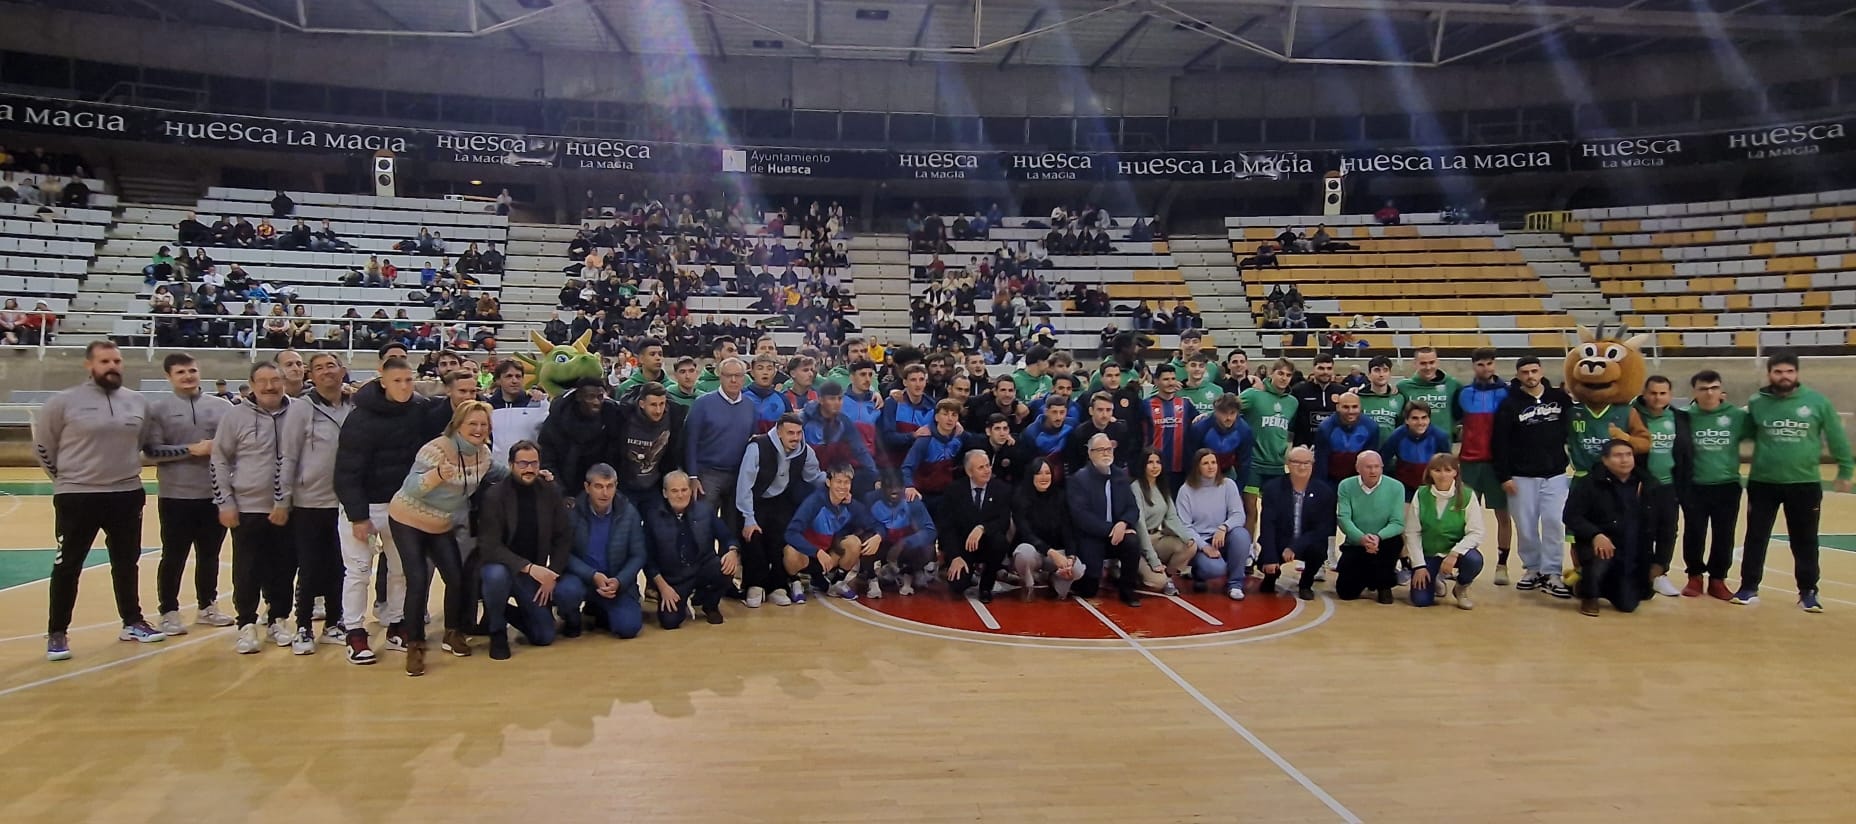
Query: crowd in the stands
column 40, row 178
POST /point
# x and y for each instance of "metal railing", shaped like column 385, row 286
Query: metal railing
column 1271, row 339
column 234, row 324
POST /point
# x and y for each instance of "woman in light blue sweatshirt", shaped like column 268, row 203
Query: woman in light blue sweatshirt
column 1213, row 512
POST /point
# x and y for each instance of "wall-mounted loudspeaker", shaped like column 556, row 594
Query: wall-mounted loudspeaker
column 1333, row 196
column 384, row 174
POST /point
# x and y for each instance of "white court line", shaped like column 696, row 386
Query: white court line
column 114, row 622
column 1250, row 737
column 1227, row 638
column 164, row 647
column 1187, row 606
column 984, row 613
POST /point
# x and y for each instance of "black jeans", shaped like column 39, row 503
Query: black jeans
column 1094, row 552
column 1709, row 511
column 1360, row 570
column 78, row 517
column 763, row 559
column 263, row 563
column 319, row 564
column 1803, row 504
column 188, row 526
column 985, row 562
column 702, row 590
column 422, row 552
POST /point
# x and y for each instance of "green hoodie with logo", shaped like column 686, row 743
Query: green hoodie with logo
column 1438, row 394
column 1714, row 439
column 1385, row 409
column 1661, row 461
column 1789, row 433
column 1269, row 411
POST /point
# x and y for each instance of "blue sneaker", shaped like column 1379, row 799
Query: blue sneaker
column 140, row 632
column 1808, row 600
column 1747, row 596
column 57, row 648
column 799, row 592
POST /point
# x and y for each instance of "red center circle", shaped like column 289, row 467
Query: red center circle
column 1187, row 615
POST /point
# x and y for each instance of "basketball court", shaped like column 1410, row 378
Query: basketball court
column 934, row 709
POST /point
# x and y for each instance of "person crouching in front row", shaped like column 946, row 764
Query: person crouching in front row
column 526, row 542
column 683, row 563
column 608, row 554
column 1443, row 528
column 1615, row 515
column 830, row 535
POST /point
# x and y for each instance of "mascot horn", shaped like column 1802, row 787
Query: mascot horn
column 1604, row 373
column 560, row 366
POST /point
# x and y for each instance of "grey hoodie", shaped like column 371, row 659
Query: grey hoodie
column 312, row 429
column 181, row 421
column 248, row 459
column 89, row 440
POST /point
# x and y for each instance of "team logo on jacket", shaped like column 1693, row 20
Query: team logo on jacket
column 1804, row 411
column 1720, row 421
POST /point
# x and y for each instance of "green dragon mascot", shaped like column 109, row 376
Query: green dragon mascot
column 560, row 366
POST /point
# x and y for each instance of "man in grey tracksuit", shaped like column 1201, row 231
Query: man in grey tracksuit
column 312, row 428
column 186, row 419
column 90, row 440
column 248, row 488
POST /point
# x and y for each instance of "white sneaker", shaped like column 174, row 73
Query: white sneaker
column 333, row 636
column 212, row 617
column 875, row 590
column 799, row 592
column 1235, row 593
column 304, row 643
column 905, row 586
column 171, row 625
column 1663, row 586
column 924, row 578
column 279, row 635
column 248, row 643
column 756, row 597
column 1461, row 593
column 1001, row 587
column 1501, row 575
column 842, row 589
column 779, row 598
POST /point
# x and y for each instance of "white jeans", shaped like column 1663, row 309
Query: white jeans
column 1539, row 508
column 358, row 573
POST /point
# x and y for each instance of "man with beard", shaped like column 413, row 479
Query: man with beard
column 524, row 540
column 835, row 439
column 1105, row 516
column 248, row 488
column 1314, row 401
column 379, row 440
column 1435, row 387
column 1236, row 376
column 650, row 443
column 1790, row 424
column 90, row 439
column 189, row 521
column 312, row 430
column 1002, row 400
column 583, row 428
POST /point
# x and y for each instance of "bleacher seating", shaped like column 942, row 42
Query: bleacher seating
column 1764, row 263
column 1436, row 284
column 45, row 251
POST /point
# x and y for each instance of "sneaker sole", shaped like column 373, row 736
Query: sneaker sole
column 1746, row 602
column 58, row 656
column 151, row 639
column 305, row 651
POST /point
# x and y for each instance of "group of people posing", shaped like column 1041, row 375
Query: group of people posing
column 762, row 479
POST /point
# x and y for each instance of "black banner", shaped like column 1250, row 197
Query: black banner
column 78, row 118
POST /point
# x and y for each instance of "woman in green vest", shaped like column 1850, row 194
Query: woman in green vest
column 1443, row 527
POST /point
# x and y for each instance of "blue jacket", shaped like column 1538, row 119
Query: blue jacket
column 624, row 554
column 932, row 463
column 895, row 430
column 1233, row 445
column 838, row 443
column 905, row 524
column 817, row 522
column 1276, row 527
column 864, row 415
column 1088, row 507
column 716, row 433
column 661, row 527
column 1337, row 447
column 1406, row 455
column 769, row 405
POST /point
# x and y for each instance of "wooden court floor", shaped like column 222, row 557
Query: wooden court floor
column 1689, row 710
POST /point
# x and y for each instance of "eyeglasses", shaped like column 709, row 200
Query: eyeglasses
column 528, row 464
column 1101, row 450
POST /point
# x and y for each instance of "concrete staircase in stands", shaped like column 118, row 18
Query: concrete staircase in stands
column 107, row 290
column 162, row 189
column 1210, row 271
column 532, row 276
column 1552, row 258
column 880, row 278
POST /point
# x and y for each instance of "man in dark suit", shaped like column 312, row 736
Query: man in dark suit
column 974, row 522
column 1298, row 521
column 1105, row 516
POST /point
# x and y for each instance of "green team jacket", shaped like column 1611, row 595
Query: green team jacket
column 1789, row 432
column 1269, row 412
column 1714, row 437
column 1438, row 394
column 1384, row 409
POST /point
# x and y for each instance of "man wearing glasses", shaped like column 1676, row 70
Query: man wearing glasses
column 1298, row 522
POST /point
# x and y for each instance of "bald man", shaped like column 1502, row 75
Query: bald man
column 1372, row 525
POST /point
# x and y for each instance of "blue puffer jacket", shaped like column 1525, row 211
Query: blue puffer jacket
column 769, row 404
column 666, row 558
column 624, row 554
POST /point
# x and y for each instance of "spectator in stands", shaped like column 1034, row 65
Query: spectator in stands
column 300, row 330
column 266, row 234
column 191, row 232
column 1387, row 215
column 1264, row 256
column 223, row 232
column 282, row 205
column 325, row 239
column 503, row 202
column 244, row 234
column 276, row 326
column 40, row 325
column 12, row 321
column 1140, row 232
column 492, row 260
column 297, row 237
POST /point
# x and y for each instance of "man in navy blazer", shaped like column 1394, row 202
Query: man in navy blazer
column 1298, row 520
column 1105, row 516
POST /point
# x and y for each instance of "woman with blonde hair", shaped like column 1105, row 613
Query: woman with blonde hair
column 1443, row 528
column 423, row 516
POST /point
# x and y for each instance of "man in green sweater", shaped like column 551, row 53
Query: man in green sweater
column 855, row 349
column 1666, row 461
column 1033, row 380
column 1433, row 386
column 1379, row 400
column 1711, row 498
column 682, row 390
column 1789, row 425
column 1269, row 409
column 1372, row 528
column 1198, row 385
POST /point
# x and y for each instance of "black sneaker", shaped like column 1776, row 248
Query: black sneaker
column 1305, row 593
column 1530, row 580
column 713, row 615
column 1556, row 587
column 499, row 646
column 1385, row 596
column 1131, row 598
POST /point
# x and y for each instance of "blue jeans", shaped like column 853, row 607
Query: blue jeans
column 536, row 622
column 623, row 613
column 1229, row 564
column 1467, row 568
